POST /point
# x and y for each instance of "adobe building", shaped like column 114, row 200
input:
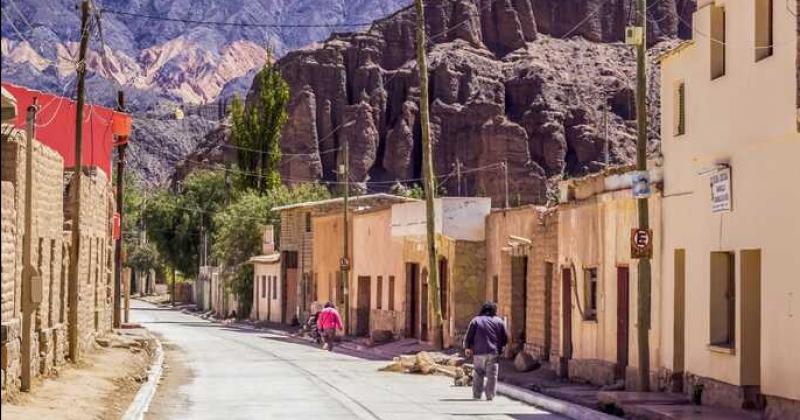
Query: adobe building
column 599, row 279
column 730, row 143
column 59, row 330
column 521, row 274
column 267, row 293
column 460, row 225
column 378, row 273
column 311, row 243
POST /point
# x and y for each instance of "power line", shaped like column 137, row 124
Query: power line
column 237, row 24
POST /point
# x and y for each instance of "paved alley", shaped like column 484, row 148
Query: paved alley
column 238, row 374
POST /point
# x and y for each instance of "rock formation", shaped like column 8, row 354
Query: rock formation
column 539, row 84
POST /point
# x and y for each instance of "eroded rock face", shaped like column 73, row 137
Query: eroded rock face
column 504, row 87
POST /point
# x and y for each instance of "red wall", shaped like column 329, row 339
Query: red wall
column 55, row 123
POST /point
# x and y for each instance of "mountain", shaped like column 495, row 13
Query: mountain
column 163, row 64
column 542, row 85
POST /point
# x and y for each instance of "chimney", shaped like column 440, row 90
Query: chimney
column 268, row 240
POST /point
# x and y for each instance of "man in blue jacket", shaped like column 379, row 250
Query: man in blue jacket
column 486, row 337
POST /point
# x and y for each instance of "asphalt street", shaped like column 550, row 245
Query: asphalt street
column 231, row 373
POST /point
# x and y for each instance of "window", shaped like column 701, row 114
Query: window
column 590, row 293
column 263, row 286
column 274, row 287
column 680, row 109
column 391, row 293
column 308, row 222
column 764, row 28
column 379, row 297
column 723, row 300
column 717, row 41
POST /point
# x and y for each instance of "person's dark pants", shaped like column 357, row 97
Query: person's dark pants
column 486, row 367
column 328, row 336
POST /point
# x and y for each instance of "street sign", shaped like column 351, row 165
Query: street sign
column 721, row 190
column 344, row 264
column 640, row 184
column 641, row 243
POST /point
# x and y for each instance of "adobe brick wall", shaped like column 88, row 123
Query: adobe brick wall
column 47, row 350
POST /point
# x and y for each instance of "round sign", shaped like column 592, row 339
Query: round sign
column 641, row 239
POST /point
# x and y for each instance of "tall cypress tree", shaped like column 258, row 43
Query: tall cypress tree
column 256, row 131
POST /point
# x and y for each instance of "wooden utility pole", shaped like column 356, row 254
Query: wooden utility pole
column 643, row 319
column 345, row 263
column 75, row 198
column 458, row 175
column 505, row 181
column 31, row 281
column 122, row 145
column 428, row 180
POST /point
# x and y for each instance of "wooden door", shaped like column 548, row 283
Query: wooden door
column 412, row 300
column 519, row 298
column 548, row 310
column 566, row 315
column 423, row 315
column 362, row 305
column 623, row 314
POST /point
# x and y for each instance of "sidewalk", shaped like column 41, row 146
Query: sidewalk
column 101, row 386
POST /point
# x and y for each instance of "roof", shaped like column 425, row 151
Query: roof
column 55, row 126
column 674, row 50
column 355, row 199
column 265, row 259
column 9, row 106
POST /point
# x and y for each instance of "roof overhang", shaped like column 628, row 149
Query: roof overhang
column 9, row 107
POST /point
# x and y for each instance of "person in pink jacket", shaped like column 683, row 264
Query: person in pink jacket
column 328, row 321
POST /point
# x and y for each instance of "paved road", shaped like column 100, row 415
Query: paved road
column 216, row 372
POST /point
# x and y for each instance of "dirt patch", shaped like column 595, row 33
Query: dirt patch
column 101, row 386
column 169, row 401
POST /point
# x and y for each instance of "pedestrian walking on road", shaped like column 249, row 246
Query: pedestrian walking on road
column 328, row 322
column 485, row 339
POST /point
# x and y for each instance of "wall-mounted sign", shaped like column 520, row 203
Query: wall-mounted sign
column 641, row 243
column 640, row 184
column 721, row 192
column 344, row 264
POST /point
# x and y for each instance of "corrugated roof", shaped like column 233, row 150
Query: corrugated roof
column 265, row 259
column 355, row 199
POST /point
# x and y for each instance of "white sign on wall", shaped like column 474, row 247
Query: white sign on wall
column 721, row 193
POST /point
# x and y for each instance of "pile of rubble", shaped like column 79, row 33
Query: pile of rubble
column 427, row 363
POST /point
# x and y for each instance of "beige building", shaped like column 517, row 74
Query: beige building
column 598, row 280
column 730, row 142
column 521, row 276
column 267, row 293
column 297, row 243
column 378, row 272
column 460, row 225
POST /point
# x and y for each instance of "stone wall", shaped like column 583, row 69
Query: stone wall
column 50, row 247
column 49, row 330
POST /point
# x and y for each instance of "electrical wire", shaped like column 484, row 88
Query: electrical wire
column 237, row 24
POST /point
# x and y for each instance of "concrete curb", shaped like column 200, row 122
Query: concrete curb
column 141, row 403
column 553, row 405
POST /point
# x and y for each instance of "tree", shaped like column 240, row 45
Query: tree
column 256, row 131
column 176, row 220
column 239, row 228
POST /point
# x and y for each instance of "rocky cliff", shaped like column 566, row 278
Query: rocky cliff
column 543, row 85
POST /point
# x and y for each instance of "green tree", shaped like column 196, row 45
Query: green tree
column 239, row 230
column 176, row 220
column 256, row 131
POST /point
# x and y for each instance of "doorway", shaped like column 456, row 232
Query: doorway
column 519, row 299
column 679, row 311
column 289, row 286
column 423, row 307
column 623, row 311
column 548, row 310
column 362, row 305
column 412, row 299
column 750, row 361
column 566, row 325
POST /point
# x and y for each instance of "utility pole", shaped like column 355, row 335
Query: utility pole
column 505, row 178
column 428, row 180
column 122, row 145
column 75, row 204
column 458, row 175
column 644, row 222
column 345, row 263
column 31, row 286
